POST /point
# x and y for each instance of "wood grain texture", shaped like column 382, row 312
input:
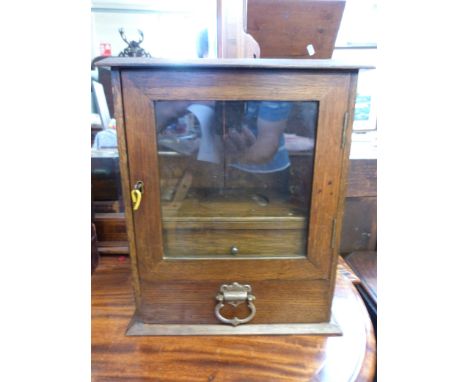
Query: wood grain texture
column 105, row 177
column 116, row 357
column 94, row 249
column 107, row 206
column 362, row 179
column 238, row 84
column 142, row 152
column 125, row 178
column 364, row 264
column 138, row 328
column 210, row 226
column 344, row 269
column 284, row 28
column 344, row 165
column 192, row 302
column 273, row 269
column 246, row 63
column 205, row 242
column 328, row 190
column 359, row 231
column 111, row 227
column 113, row 248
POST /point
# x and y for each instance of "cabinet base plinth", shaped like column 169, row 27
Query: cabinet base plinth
column 139, row 328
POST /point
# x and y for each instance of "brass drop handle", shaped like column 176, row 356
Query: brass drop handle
column 235, row 294
column 136, row 194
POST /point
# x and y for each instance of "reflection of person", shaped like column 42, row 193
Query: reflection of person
column 186, row 133
column 259, row 146
column 168, row 111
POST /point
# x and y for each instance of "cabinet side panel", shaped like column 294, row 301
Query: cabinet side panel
column 326, row 190
column 125, row 179
column 346, row 144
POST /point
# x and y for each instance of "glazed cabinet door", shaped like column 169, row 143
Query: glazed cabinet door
column 239, row 173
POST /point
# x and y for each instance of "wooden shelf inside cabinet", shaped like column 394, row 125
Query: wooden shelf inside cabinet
column 229, row 230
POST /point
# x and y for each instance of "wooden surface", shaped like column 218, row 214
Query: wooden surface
column 360, row 216
column 362, row 180
column 110, row 227
column 284, row 28
column 345, row 270
column 209, row 224
column 116, row 357
column 239, row 63
column 125, row 180
column 364, row 264
column 359, row 225
column 105, row 178
column 94, row 249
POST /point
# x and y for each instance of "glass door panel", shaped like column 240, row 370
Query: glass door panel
column 235, row 177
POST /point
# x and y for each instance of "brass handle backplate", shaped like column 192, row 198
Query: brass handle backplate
column 235, row 294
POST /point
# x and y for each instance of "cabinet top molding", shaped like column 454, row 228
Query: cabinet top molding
column 238, row 63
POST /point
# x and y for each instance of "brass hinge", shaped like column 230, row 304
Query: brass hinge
column 343, row 131
column 333, row 237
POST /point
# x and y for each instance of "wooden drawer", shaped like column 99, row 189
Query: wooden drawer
column 211, row 226
column 270, row 242
column 162, row 303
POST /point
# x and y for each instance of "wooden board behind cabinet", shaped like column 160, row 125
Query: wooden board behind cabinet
column 285, row 28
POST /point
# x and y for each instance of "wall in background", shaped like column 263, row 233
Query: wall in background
column 170, row 28
column 359, row 24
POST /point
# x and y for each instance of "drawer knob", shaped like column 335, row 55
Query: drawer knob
column 235, row 294
column 234, row 250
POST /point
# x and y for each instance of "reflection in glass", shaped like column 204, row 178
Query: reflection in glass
column 235, row 177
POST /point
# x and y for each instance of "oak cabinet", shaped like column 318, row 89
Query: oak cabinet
column 233, row 176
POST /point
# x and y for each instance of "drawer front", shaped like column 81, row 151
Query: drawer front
column 234, row 243
column 275, row 302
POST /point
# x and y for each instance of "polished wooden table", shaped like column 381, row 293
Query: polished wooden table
column 116, row 357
